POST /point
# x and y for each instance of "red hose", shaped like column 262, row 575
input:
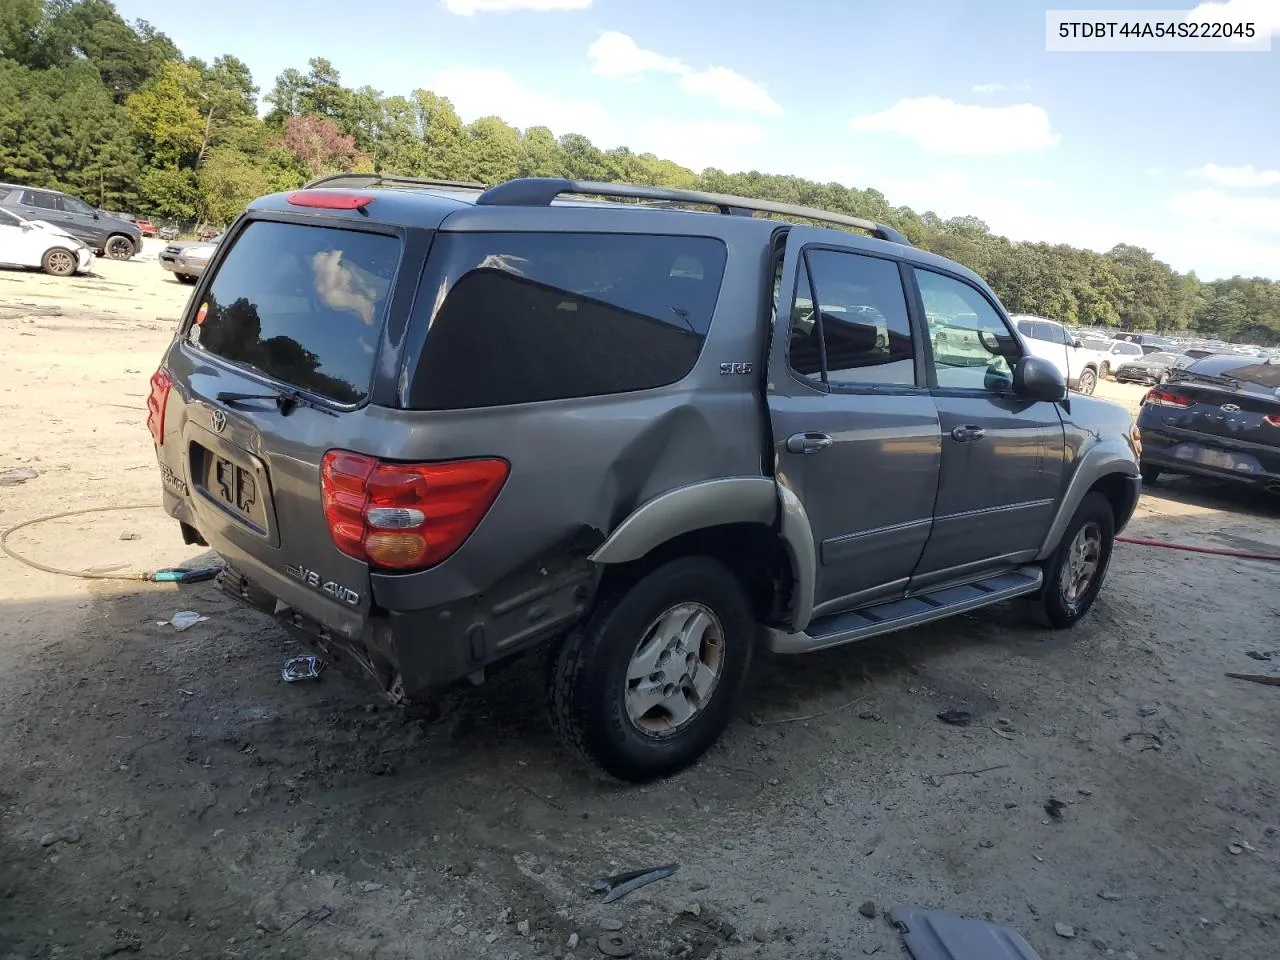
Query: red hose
column 1216, row 551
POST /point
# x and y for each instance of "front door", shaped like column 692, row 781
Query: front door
column 855, row 431
column 80, row 219
column 12, row 240
column 1002, row 455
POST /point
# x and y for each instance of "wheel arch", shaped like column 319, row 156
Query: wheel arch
column 1108, row 467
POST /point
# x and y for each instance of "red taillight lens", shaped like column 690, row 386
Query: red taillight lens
column 329, row 200
column 1273, row 419
column 405, row 516
column 1163, row 398
column 161, row 384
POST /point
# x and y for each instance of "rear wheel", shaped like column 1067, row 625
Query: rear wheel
column 1088, row 382
column 1149, row 474
column 58, row 262
column 650, row 681
column 185, row 278
column 1104, row 370
column 1074, row 574
column 119, row 247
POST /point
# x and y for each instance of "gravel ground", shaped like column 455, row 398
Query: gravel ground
column 163, row 793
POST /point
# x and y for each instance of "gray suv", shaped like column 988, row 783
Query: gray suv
column 106, row 234
column 432, row 427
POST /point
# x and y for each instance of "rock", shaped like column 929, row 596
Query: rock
column 868, row 910
column 66, row 835
column 1101, row 945
column 1064, row 930
column 774, row 781
column 522, row 928
column 699, row 885
column 1010, row 804
column 491, row 938
column 1054, row 807
column 986, row 844
column 370, row 887
column 935, row 780
column 872, row 950
column 1148, row 710
column 694, row 909
column 1129, row 955
column 572, row 941
column 759, row 898
column 611, row 924
column 504, row 915
column 760, row 935
column 1158, row 947
column 957, row 718
column 1109, row 895
column 11, row 478
column 829, row 800
column 459, row 930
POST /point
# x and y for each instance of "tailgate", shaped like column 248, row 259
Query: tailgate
column 274, row 369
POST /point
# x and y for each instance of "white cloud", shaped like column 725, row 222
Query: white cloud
column 1266, row 13
column 730, row 89
column 616, row 55
column 1239, row 177
column 1000, row 87
column 1245, row 215
column 466, row 8
column 694, row 144
column 941, row 125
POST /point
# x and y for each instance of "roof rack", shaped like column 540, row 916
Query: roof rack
column 541, row 191
column 377, row 179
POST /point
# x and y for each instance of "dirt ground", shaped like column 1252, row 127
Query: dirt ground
column 164, row 794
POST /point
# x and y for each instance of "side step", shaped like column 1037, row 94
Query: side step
column 841, row 628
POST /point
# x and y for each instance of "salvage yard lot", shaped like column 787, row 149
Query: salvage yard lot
column 164, row 793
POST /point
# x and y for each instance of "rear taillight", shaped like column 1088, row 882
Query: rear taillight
column 1163, row 398
column 1273, row 419
column 161, row 384
column 405, row 516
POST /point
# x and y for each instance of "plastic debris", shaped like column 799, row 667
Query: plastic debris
column 183, row 619
column 301, row 668
column 11, row 478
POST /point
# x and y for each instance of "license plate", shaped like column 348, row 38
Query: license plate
column 235, row 486
column 1219, row 459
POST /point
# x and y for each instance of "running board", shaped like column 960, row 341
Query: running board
column 882, row 618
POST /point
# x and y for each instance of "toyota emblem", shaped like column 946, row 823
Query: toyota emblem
column 218, row 421
column 1230, row 408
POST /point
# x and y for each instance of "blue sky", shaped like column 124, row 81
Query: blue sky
column 942, row 105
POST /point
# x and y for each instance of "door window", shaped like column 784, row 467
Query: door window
column 72, row 205
column 853, row 329
column 45, row 201
column 972, row 345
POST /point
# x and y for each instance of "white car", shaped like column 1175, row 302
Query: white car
column 1111, row 354
column 34, row 243
column 1050, row 340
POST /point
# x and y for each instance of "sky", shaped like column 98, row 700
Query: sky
column 942, row 105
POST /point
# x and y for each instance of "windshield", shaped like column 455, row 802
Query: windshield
column 1093, row 343
column 1166, row 358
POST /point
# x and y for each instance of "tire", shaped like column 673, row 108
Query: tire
column 1088, row 383
column 594, row 696
column 1063, row 605
column 185, row 278
column 1104, row 369
column 119, row 247
column 58, row 262
column 1149, row 474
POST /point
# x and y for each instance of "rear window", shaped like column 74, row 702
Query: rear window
column 533, row 316
column 301, row 304
column 1243, row 370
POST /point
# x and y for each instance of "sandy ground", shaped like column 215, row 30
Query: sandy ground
column 164, row 794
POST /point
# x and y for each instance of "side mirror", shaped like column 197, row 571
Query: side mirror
column 1038, row 379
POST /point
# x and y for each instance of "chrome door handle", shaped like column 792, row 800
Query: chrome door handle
column 804, row 443
column 968, row 433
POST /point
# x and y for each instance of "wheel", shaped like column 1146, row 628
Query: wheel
column 648, row 683
column 58, row 262
column 185, row 278
column 1088, row 383
column 119, row 247
column 1074, row 574
column 1149, row 474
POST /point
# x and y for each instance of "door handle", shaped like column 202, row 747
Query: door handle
column 968, row 433
column 808, row 443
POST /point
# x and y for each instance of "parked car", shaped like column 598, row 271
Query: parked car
column 27, row 243
column 1052, row 341
column 115, row 238
column 433, row 428
column 1152, row 368
column 1109, row 354
column 1219, row 417
column 187, row 260
column 168, row 232
column 145, row 227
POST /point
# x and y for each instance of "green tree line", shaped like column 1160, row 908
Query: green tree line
column 113, row 112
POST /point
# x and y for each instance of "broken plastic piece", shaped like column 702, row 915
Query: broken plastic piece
column 301, row 668
column 183, row 619
column 934, row 935
column 617, row 887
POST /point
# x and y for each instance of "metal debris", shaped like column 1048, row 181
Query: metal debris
column 618, row 886
column 301, row 668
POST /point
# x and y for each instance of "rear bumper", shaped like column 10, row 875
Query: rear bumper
column 1183, row 451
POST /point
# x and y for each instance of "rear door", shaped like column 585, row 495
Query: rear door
column 855, row 431
column 43, row 205
column 1002, row 455
column 297, row 307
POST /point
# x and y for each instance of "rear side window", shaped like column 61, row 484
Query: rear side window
column 46, row 201
column 531, row 317
column 1246, row 371
column 301, row 304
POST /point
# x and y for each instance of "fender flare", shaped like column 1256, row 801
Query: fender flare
column 1104, row 458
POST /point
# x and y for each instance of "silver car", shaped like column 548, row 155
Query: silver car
column 187, row 260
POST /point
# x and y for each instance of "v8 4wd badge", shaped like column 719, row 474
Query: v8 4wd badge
column 312, row 579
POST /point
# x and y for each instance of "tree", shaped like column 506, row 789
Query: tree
column 493, row 150
column 166, row 112
column 228, row 181
column 318, row 144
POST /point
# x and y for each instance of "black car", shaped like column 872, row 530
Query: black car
column 1219, row 417
column 1153, row 368
column 111, row 236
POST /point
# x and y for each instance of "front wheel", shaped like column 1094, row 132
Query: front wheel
column 119, row 247
column 58, row 262
column 1088, row 383
column 1104, row 370
column 650, row 681
column 1074, row 574
column 185, row 278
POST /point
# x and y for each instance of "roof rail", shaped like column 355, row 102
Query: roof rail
column 541, row 191
column 378, row 179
